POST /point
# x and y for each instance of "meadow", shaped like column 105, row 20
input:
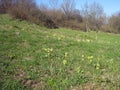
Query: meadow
column 33, row 57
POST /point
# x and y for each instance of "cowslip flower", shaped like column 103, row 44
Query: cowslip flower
column 88, row 40
column 78, row 40
column 91, row 60
column 59, row 38
column 97, row 66
column 64, row 62
column 90, row 57
column 78, row 69
column 66, row 54
column 48, row 49
column 82, row 56
column 98, row 59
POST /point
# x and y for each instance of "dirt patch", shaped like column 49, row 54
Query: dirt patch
column 28, row 58
column 33, row 84
column 20, row 75
column 89, row 86
column 6, row 27
column 17, row 33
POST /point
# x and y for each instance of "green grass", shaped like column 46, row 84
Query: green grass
column 34, row 57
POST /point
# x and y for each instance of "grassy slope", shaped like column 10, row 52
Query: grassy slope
column 33, row 57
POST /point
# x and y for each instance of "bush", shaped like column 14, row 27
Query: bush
column 22, row 9
column 114, row 23
column 27, row 10
column 50, row 24
column 4, row 5
column 106, row 28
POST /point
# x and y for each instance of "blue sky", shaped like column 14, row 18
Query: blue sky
column 109, row 6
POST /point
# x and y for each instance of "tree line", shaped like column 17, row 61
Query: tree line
column 90, row 17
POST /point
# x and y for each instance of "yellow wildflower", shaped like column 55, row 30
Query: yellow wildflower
column 66, row 54
column 64, row 62
column 98, row 59
column 59, row 38
column 82, row 56
column 97, row 68
column 48, row 49
column 90, row 60
column 51, row 49
column 90, row 57
column 82, row 59
column 98, row 65
column 88, row 40
column 78, row 69
column 78, row 40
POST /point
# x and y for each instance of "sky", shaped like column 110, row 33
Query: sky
column 110, row 6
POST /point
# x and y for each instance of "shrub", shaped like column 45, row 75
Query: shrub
column 106, row 28
column 114, row 23
column 22, row 9
column 5, row 5
column 50, row 24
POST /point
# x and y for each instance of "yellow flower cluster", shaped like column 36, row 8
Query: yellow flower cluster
column 83, row 57
column 97, row 66
column 90, row 58
column 78, row 40
column 66, row 54
column 48, row 50
column 87, row 40
column 78, row 69
column 64, row 62
column 60, row 37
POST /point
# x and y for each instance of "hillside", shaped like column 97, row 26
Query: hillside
column 34, row 57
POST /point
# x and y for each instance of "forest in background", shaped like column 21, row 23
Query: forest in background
column 90, row 17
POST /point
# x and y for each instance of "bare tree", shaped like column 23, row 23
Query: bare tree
column 53, row 10
column 77, row 15
column 68, row 7
column 5, row 5
column 85, row 14
column 94, row 16
column 53, row 4
column 114, row 23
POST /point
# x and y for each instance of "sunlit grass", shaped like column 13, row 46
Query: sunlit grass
column 34, row 57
